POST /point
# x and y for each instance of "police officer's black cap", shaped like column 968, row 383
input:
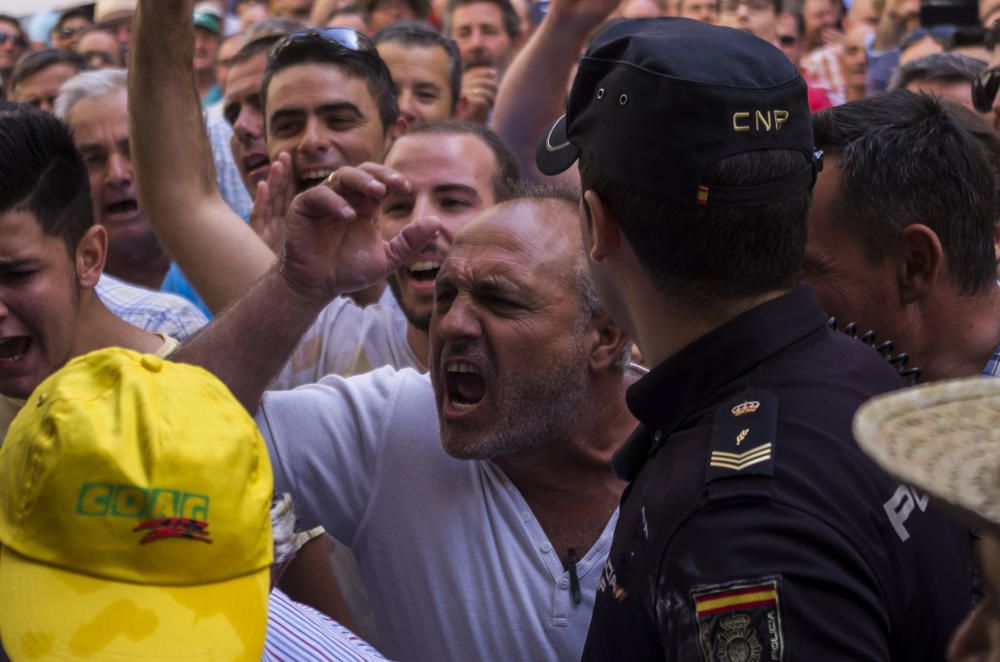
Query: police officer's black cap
column 657, row 101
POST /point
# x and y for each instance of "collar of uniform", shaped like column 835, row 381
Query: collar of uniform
column 674, row 389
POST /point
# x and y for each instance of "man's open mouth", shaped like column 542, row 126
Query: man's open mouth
column 14, row 348
column 313, row 177
column 464, row 385
column 255, row 161
column 424, row 271
column 125, row 207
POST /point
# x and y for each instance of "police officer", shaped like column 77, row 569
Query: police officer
column 753, row 528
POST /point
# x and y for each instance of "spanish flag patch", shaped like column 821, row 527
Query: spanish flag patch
column 740, row 621
column 702, row 197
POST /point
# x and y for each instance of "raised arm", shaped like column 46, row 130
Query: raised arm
column 533, row 91
column 331, row 247
column 219, row 253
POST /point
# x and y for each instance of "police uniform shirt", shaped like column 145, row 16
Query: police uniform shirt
column 754, row 528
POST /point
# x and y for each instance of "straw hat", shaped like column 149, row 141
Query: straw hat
column 942, row 438
column 106, row 11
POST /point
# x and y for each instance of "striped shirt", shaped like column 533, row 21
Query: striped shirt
column 297, row 632
column 155, row 312
column 993, row 365
column 227, row 175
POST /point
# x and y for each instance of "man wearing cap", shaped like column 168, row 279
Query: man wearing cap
column 123, row 547
column 115, row 16
column 207, row 35
column 753, row 528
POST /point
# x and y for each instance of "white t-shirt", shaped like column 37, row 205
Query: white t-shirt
column 456, row 564
column 347, row 339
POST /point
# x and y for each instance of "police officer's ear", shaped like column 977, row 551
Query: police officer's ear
column 91, row 253
column 920, row 262
column 602, row 235
column 609, row 344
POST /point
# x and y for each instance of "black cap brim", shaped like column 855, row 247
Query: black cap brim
column 555, row 154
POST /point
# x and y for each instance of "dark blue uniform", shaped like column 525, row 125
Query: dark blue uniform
column 754, row 528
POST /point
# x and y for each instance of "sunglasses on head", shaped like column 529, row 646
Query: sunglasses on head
column 347, row 38
column 984, row 89
column 15, row 39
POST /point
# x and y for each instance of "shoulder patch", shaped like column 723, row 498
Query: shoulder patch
column 743, row 436
column 740, row 621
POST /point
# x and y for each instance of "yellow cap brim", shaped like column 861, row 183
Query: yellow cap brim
column 49, row 613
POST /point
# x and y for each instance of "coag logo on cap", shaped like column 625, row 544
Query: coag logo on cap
column 105, row 500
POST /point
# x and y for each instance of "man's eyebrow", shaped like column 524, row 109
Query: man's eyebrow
column 283, row 113
column 90, row 147
column 496, row 284
column 17, row 263
column 444, row 280
column 455, row 188
column 427, row 85
column 339, row 107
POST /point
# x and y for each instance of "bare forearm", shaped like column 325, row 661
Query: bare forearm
column 248, row 344
column 169, row 148
column 532, row 96
column 175, row 177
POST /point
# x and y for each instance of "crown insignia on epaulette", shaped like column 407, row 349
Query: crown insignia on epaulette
column 748, row 407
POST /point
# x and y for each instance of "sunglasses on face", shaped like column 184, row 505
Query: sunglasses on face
column 15, row 39
column 69, row 33
column 984, row 89
column 787, row 39
column 352, row 40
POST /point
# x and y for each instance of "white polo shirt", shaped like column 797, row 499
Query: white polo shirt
column 456, row 564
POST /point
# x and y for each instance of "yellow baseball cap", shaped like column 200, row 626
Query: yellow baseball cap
column 134, row 517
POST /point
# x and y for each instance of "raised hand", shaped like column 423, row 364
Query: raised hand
column 479, row 92
column 270, row 205
column 332, row 245
column 581, row 14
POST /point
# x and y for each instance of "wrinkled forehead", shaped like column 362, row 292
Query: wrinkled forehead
column 533, row 233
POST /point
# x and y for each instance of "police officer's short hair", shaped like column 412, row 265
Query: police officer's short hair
column 706, row 255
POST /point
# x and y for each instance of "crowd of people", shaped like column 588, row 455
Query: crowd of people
column 500, row 330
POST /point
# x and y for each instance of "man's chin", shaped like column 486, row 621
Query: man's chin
column 461, row 448
column 417, row 315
